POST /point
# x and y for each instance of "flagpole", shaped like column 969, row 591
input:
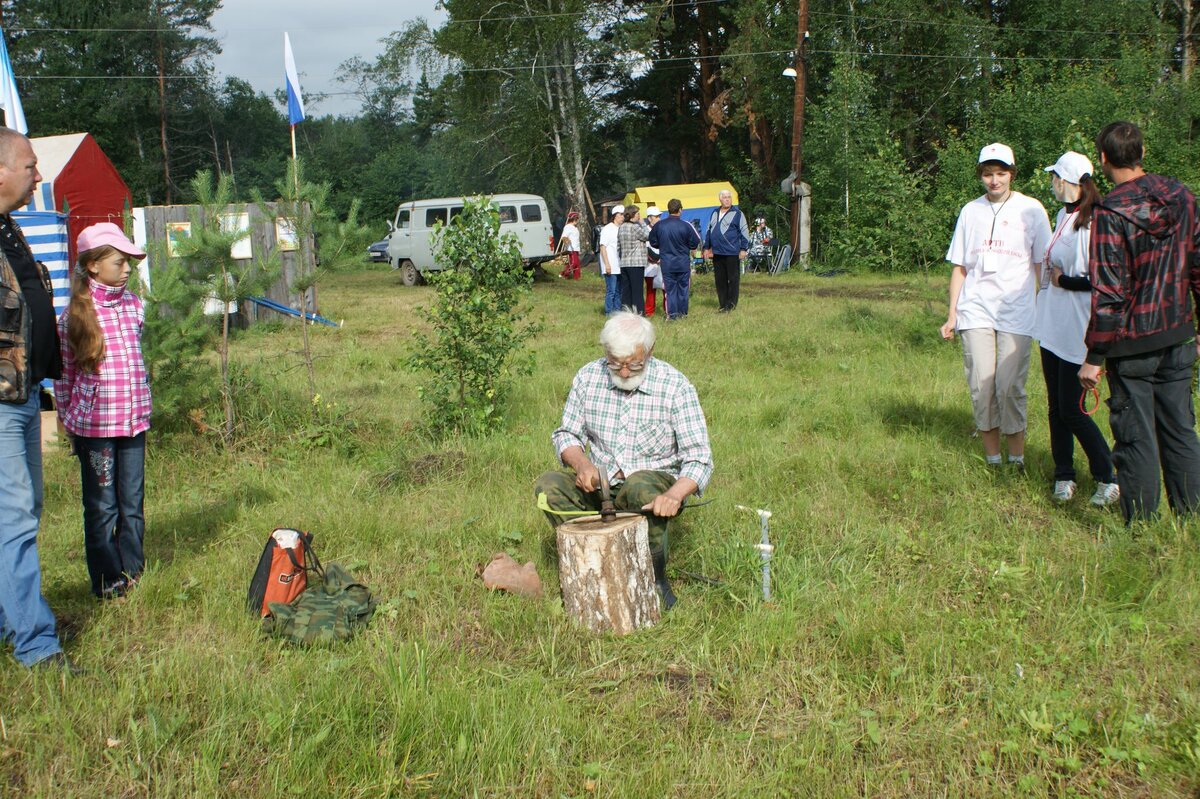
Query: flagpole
column 295, row 106
column 295, row 166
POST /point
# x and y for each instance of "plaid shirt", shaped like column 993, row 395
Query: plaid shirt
column 115, row 402
column 631, row 244
column 659, row 426
column 1144, row 264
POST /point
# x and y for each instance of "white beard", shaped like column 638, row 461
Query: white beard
column 630, row 383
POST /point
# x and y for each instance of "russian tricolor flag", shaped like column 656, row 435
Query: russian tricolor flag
column 10, row 101
column 295, row 101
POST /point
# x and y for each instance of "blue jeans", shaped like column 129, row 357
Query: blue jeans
column 612, row 293
column 675, row 291
column 113, row 473
column 25, row 617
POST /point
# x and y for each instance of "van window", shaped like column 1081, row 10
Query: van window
column 508, row 213
column 402, row 220
column 435, row 215
column 531, row 213
column 455, row 212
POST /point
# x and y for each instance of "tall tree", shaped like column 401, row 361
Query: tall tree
column 126, row 71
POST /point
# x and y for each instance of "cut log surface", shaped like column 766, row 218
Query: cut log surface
column 606, row 574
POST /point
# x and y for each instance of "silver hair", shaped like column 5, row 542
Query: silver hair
column 624, row 332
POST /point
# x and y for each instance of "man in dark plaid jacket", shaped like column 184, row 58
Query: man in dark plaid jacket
column 1145, row 271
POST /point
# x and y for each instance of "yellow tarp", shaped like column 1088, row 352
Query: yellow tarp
column 692, row 195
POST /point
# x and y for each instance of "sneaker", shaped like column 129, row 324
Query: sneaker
column 1064, row 490
column 1106, row 494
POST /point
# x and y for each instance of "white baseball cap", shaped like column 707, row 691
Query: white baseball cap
column 998, row 152
column 617, row 209
column 1071, row 166
column 653, row 211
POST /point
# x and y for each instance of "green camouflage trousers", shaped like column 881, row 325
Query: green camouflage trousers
column 639, row 489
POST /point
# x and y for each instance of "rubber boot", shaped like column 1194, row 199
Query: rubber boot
column 660, row 579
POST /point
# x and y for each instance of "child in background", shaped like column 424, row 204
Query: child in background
column 569, row 241
column 104, row 403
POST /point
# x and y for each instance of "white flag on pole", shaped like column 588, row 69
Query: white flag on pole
column 10, row 101
column 292, row 78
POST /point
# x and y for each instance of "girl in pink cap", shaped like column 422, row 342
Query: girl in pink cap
column 104, row 402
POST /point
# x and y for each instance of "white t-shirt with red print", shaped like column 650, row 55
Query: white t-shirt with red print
column 1001, row 246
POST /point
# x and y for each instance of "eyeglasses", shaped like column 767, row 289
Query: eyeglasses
column 632, row 366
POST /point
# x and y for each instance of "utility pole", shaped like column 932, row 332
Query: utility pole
column 798, row 124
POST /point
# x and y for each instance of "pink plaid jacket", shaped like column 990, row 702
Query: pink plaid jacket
column 115, row 402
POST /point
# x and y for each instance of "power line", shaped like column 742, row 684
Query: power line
column 980, row 25
column 663, row 60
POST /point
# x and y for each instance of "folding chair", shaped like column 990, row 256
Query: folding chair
column 783, row 260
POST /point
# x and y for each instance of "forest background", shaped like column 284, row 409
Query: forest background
column 552, row 96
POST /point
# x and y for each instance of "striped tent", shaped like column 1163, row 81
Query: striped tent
column 46, row 232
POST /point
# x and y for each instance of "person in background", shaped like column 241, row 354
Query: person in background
column 1064, row 306
column 631, row 246
column 675, row 239
column 610, row 260
column 654, row 279
column 725, row 243
column 570, row 241
column 760, row 246
column 999, row 243
column 104, row 402
column 1144, row 264
column 28, row 354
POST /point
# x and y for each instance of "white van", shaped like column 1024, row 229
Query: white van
column 410, row 242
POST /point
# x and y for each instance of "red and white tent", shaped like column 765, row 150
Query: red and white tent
column 80, row 181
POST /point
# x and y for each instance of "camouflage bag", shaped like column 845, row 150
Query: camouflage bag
column 330, row 610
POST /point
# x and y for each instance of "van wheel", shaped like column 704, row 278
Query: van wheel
column 409, row 275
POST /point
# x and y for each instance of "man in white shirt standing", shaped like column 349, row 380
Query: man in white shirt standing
column 998, row 245
column 610, row 260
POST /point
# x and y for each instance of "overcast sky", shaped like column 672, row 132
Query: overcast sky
column 324, row 33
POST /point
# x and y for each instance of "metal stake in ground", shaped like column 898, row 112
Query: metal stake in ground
column 764, row 548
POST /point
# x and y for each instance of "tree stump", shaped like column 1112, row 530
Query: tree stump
column 606, row 574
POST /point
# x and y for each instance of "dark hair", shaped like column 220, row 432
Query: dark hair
column 1121, row 145
column 674, row 207
column 1089, row 195
column 1009, row 168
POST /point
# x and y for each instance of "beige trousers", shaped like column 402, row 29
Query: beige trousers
column 996, row 365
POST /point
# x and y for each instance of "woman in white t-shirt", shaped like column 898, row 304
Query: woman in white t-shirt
column 998, row 245
column 1064, row 306
column 570, row 241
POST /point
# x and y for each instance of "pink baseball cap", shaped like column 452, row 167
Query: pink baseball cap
column 104, row 233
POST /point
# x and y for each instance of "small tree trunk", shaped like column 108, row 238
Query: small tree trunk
column 605, row 572
column 226, row 383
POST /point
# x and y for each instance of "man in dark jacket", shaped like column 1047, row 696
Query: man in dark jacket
column 675, row 239
column 726, row 241
column 1145, row 271
column 28, row 354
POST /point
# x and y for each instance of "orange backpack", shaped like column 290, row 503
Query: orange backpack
column 282, row 573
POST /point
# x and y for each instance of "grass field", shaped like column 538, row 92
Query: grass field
column 935, row 630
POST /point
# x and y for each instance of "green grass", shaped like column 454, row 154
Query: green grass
column 934, row 631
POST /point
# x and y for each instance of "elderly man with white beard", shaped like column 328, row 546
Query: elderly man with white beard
column 640, row 420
